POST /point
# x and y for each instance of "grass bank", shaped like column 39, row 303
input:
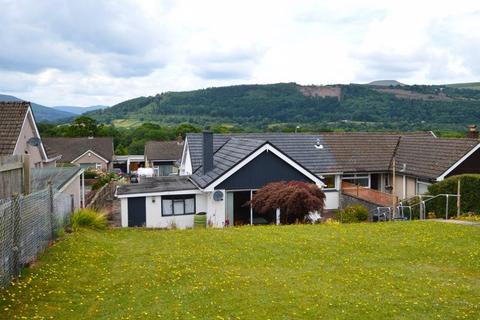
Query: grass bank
column 411, row 270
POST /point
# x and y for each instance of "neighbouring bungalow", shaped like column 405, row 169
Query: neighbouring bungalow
column 219, row 173
column 163, row 156
column 64, row 180
column 86, row 152
column 19, row 135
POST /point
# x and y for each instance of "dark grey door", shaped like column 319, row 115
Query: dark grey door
column 136, row 212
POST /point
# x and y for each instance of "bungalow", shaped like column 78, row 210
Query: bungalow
column 163, row 156
column 220, row 173
column 19, row 135
column 86, row 152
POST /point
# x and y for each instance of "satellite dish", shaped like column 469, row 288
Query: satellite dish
column 34, row 141
column 218, row 195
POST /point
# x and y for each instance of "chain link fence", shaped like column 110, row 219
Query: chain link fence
column 27, row 225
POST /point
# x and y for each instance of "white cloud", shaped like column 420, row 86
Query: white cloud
column 90, row 52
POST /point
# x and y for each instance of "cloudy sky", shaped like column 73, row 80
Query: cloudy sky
column 103, row 52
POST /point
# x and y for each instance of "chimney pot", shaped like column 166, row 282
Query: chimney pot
column 207, row 147
column 472, row 132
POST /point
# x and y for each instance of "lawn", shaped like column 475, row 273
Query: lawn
column 403, row 270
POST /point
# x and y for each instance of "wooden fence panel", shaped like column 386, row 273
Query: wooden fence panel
column 11, row 175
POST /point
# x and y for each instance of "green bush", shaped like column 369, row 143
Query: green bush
column 352, row 213
column 87, row 218
column 103, row 180
column 469, row 191
column 90, row 174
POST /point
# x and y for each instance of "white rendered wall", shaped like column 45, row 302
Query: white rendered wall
column 332, row 200
column 124, row 211
column 216, row 210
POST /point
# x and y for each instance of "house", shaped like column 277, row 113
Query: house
column 19, row 135
column 129, row 163
column 163, row 156
column 69, row 180
column 86, row 152
column 219, row 173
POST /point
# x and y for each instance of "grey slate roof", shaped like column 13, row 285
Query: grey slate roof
column 163, row 150
column 232, row 152
column 157, row 184
column 40, row 177
column 72, row 148
column 12, row 115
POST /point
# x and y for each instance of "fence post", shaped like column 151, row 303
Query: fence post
column 52, row 208
column 446, row 208
column 420, row 207
column 458, row 198
column 26, row 173
column 16, row 234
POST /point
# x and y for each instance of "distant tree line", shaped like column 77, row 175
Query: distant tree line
column 282, row 106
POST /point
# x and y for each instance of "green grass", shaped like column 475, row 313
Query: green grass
column 404, row 270
column 127, row 123
column 467, row 85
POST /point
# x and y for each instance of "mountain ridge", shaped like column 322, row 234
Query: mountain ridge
column 43, row 113
column 79, row 110
column 267, row 106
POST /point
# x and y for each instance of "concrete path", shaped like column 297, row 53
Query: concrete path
column 467, row 223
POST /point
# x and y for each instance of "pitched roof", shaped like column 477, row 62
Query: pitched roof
column 231, row 153
column 72, row 148
column 12, row 115
column 163, row 150
column 157, row 184
column 430, row 157
column 40, row 177
column 341, row 152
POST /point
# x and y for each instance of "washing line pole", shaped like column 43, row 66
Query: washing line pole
column 394, row 195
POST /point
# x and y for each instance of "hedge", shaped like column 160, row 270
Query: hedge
column 469, row 191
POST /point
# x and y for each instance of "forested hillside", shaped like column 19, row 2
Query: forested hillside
column 262, row 107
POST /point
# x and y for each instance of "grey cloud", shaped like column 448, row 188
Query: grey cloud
column 380, row 65
column 225, row 65
column 74, row 35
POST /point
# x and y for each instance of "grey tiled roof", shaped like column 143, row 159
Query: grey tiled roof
column 232, row 152
column 12, row 115
column 424, row 154
column 71, row 148
column 157, row 184
column 430, row 157
column 163, row 150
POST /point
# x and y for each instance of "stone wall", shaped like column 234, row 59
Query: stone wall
column 346, row 200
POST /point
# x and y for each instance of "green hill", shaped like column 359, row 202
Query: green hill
column 353, row 106
column 43, row 113
column 468, row 85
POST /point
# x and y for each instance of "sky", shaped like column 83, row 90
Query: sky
column 89, row 52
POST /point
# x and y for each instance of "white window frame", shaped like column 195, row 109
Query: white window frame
column 358, row 176
column 419, row 182
column 334, row 181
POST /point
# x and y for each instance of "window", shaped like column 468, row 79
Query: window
column 361, row 180
column 422, row 187
column 90, row 165
column 329, row 182
column 178, row 205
